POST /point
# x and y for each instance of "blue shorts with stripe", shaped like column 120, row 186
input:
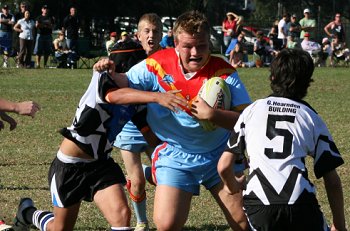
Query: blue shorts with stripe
column 131, row 139
column 187, row 171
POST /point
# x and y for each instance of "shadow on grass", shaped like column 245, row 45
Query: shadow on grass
column 24, row 164
column 14, row 188
column 91, row 228
column 204, row 228
column 207, row 227
column 200, row 228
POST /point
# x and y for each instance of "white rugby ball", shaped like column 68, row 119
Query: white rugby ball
column 217, row 94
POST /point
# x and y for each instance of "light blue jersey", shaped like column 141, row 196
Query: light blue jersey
column 190, row 135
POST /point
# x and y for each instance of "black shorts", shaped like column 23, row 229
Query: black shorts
column 285, row 217
column 71, row 183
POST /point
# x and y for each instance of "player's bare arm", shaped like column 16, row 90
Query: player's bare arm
column 335, row 197
column 232, row 184
column 223, row 118
column 132, row 96
column 28, row 108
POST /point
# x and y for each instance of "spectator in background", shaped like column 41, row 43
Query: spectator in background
column 326, row 51
column 239, row 26
column 294, row 29
column 231, row 48
column 292, row 43
column 61, row 50
column 228, row 27
column 124, row 37
column 65, row 56
column 19, row 15
column 336, row 28
column 111, row 42
column 7, row 21
column 262, row 51
column 25, row 27
column 273, row 33
column 283, row 30
column 312, row 47
column 237, row 56
column 168, row 39
column 339, row 51
column 71, row 29
column 43, row 44
column 23, row 7
column 307, row 24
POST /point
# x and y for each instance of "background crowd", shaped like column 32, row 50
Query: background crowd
column 23, row 34
column 287, row 32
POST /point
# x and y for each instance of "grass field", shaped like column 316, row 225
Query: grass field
column 26, row 153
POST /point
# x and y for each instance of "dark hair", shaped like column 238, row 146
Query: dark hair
column 291, row 73
column 126, row 54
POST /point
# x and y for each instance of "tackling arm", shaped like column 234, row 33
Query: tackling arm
column 132, row 96
column 225, row 168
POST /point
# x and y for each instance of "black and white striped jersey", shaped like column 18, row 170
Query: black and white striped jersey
column 96, row 123
column 277, row 134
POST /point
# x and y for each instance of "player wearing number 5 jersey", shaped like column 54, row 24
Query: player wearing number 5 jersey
column 278, row 132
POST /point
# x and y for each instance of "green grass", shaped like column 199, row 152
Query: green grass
column 26, row 153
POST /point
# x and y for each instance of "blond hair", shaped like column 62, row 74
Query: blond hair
column 191, row 22
column 151, row 18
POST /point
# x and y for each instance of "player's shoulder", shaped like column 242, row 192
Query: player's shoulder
column 159, row 55
column 218, row 66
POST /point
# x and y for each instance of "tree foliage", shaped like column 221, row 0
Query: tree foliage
column 107, row 10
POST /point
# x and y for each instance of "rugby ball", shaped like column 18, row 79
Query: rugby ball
column 217, row 94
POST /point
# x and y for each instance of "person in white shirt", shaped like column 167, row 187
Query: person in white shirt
column 111, row 42
column 25, row 27
column 283, row 29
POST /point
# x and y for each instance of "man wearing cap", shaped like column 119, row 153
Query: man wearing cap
column 71, row 29
column 124, row 37
column 43, row 45
column 294, row 28
column 111, row 42
column 312, row 47
column 7, row 21
column 307, row 25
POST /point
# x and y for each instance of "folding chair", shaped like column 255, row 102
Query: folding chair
column 84, row 53
column 12, row 59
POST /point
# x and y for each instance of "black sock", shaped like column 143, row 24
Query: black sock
column 28, row 214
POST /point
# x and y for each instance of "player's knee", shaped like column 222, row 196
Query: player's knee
column 50, row 226
column 59, row 226
column 163, row 223
column 123, row 218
